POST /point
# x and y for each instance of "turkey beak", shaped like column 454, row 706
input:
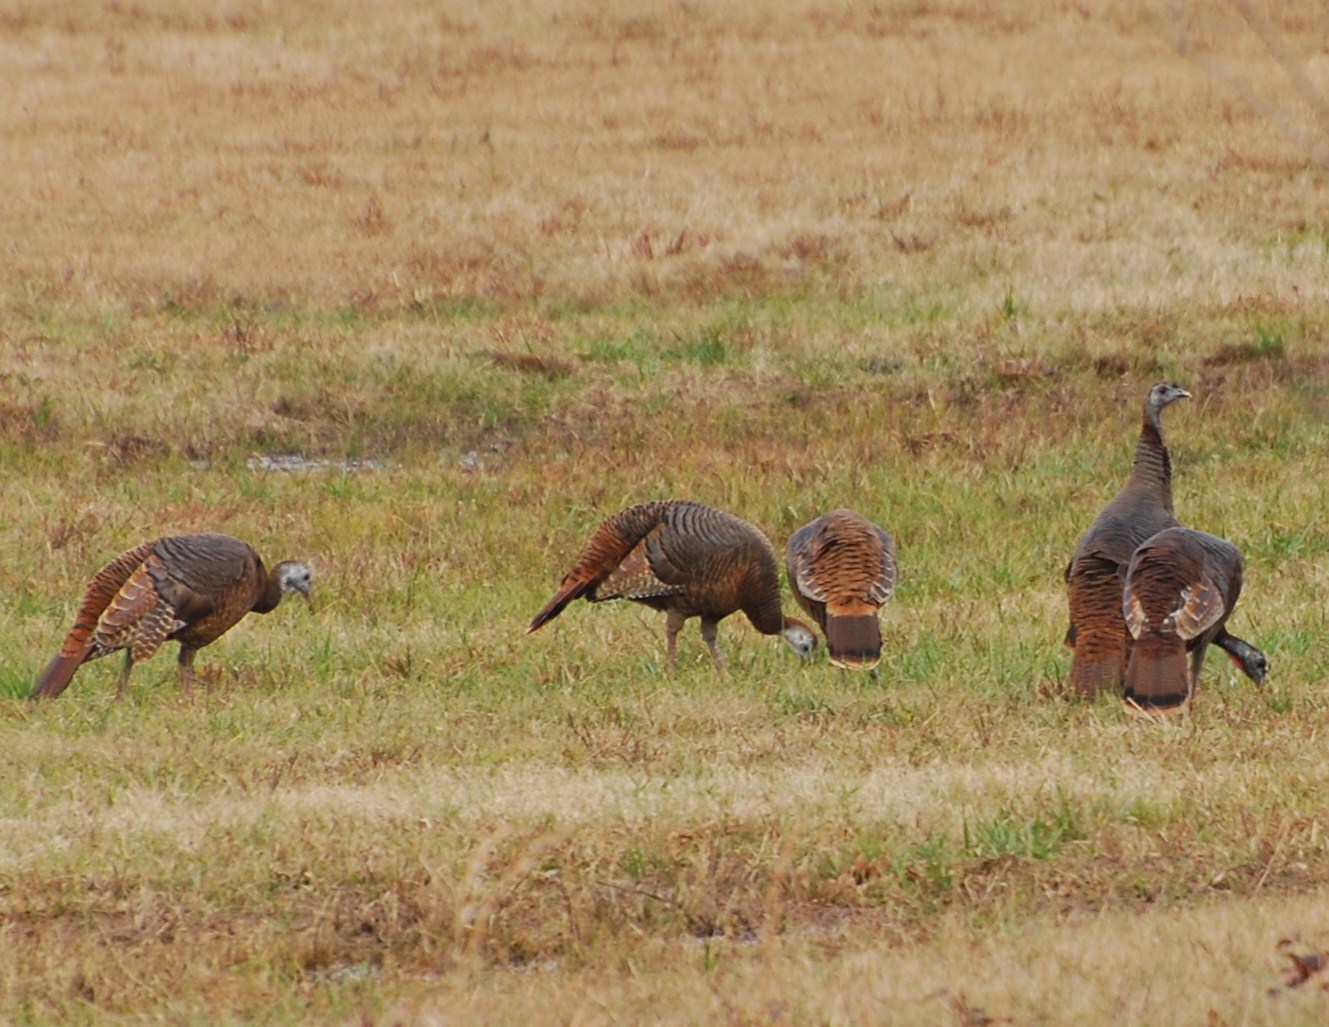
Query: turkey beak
column 307, row 592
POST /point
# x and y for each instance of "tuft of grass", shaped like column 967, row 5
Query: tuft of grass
column 1007, row 833
column 707, row 350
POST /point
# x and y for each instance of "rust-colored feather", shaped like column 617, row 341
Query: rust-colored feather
column 1180, row 588
column 1101, row 642
column 1156, row 676
column 842, row 568
column 853, row 640
column 608, row 548
column 137, row 617
column 1201, row 607
column 79, row 647
column 637, row 577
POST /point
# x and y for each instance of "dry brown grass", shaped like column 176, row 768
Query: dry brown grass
column 161, row 154
column 508, row 267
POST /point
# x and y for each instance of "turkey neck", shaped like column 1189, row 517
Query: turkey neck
column 1153, row 466
column 270, row 596
column 767, row 616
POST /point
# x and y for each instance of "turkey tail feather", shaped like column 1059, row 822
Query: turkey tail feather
column 59, row 672
column 607, row 547
column 1089, row 677
column 854, row 640
column 1097, row 663
column 101, row 593
column 566, row 594
column 1157, row 678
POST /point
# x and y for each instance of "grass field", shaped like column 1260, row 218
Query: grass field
column 420, row 293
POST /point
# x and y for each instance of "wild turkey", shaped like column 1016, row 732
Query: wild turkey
column 190, row 588
column 842, row 569
column 688, row 560
column 1097, row 570
column 1181, row 587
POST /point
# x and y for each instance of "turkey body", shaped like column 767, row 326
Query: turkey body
column 1097, row 570
column 688, row 560
column 1181, row 587
column 842, row 569
column 190, row 589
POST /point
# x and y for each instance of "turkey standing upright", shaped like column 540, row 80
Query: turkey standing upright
column 1181, row 587
column 688, row 560
column 1097, row 570
column 842, row 569
column 190, row 588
